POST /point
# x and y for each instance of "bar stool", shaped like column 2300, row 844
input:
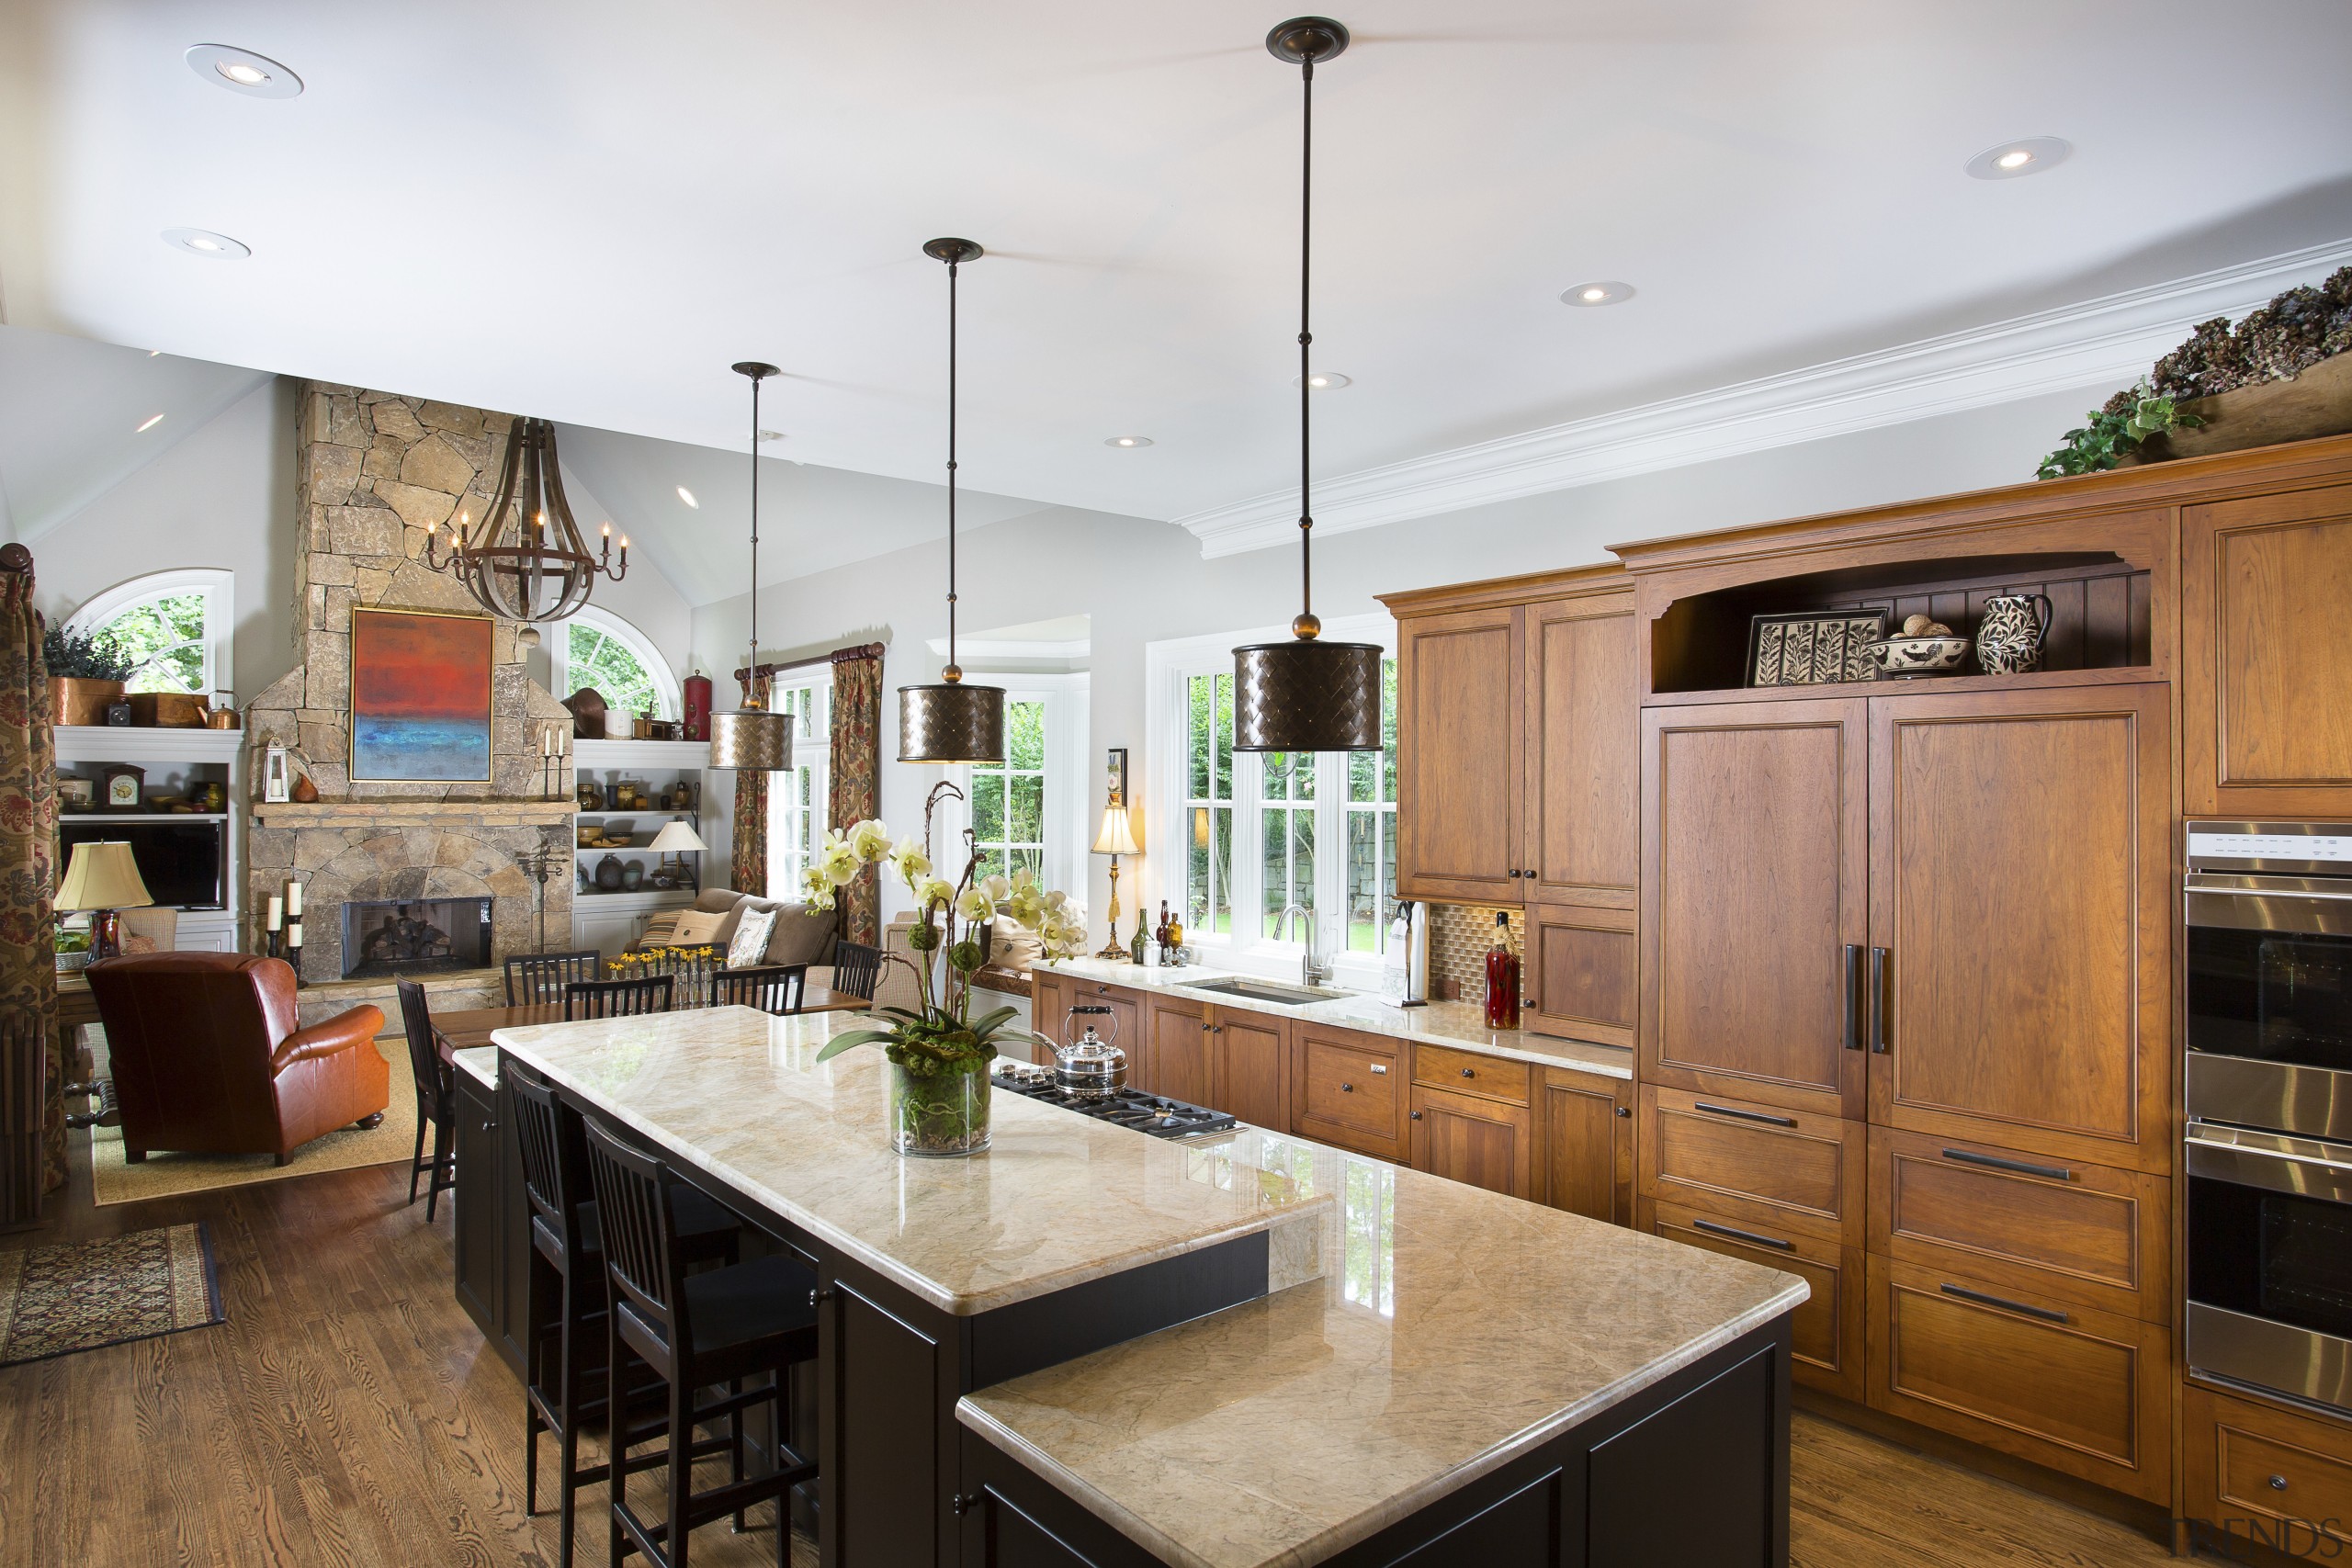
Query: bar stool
column 695, row 1331
column 566, row 1297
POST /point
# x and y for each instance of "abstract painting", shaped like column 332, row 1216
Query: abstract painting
column 420, row 697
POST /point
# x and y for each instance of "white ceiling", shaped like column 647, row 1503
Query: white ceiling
column 588, row 211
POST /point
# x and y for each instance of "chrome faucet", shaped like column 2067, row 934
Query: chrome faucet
column 1314, row 969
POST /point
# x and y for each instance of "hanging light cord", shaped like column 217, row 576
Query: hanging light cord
column 953, row 671
column 752, row 690
column 1305, row 350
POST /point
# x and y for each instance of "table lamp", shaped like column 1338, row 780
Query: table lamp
column 679, row 837
column 1117, row 838
column 103, row 879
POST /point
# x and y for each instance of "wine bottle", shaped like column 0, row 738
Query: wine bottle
column 1502, row 978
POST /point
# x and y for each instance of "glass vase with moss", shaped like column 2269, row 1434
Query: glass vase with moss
column 938, row 1052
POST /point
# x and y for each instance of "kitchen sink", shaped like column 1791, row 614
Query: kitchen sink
column 1271, row 991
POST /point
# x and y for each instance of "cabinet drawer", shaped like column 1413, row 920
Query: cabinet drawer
column 2083, row 1392
column 1826, row 1333
column 2253, row 1473
column 1350, row 1091
column 1780, row 1168
column 1481, row 1143
column 2088, row 1234
column 1466, row 1072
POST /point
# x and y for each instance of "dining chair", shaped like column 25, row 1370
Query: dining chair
column 534, row 977
column 771, row 987
column 857, row 968
column 437, row 1098
column 617, row 998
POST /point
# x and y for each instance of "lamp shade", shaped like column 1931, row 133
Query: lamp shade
column 751, row 738
column 678, row 838
column 1306, row 695
column 950, row 722
column 103, row 876
column 1118, row 834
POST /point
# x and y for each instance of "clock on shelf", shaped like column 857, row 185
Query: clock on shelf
column 122, row 787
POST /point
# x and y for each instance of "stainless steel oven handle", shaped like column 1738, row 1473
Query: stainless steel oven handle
column 2278, row 1165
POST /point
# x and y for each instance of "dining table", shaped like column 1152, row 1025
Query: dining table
column 464, row 1029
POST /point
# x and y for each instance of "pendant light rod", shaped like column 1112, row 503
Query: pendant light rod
column 1305, row 339
column 758, row 373
column 955, row 253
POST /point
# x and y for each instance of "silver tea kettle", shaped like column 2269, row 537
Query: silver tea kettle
column 1090, row 1067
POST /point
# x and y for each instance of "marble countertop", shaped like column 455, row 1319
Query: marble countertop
column 1453, row 1330
column 1458, row 1024
column 480, row 1063
column 1059, row 1199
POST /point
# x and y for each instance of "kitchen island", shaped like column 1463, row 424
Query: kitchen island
column 1397, row 1363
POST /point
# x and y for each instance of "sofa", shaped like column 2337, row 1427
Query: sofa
column 798, row 937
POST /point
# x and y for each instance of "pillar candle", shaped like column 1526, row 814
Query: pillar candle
column 294, row 900
column 276, row 913
column 293, row 933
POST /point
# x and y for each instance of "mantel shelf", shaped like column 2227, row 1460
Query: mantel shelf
column 491, row 812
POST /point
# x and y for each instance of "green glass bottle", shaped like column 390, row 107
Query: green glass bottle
column 1134, row 948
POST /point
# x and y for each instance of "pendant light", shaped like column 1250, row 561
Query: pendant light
column 525, row 559
column 948, row 721
column 753, row 738
column 1306, row 694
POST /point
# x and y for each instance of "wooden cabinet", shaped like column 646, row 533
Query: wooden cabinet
column 2020, row 913
column 1049, row 996
column 1350, row 1088
column 1826, row 1342
column 2266, row 685
column 2254, row 1473
column 1127, row 1018
column 1459, row 729
column 1755, row 901
column 1585, row 1145
column 1249, row 1066
column 1758, row 1164
column 1484, row 1142
column 490, row 1219
column 2083, row 1392
column 1580, row 802
column 1580, row 973
column 1175, row 1058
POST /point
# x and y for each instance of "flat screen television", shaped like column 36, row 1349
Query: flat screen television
column 181, row 863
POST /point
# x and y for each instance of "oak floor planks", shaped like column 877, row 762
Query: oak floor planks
column 349, row 1416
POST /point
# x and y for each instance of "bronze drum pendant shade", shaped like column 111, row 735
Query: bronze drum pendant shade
column 1306, row 694
column 753, row 738
column 948, row 721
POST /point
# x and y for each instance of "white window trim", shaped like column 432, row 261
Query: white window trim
column 558, row 646
column 813, row 751
column 219, row 586
column 1068, row 701
column 1167, row 666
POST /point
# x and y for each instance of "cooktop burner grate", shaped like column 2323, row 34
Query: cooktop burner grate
column 1154, row 1113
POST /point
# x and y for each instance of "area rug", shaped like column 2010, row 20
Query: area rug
column 57, row 1300
column 115, row 1180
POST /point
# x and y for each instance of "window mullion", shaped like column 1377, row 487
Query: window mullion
column 1332, row 845
column 1248, row 849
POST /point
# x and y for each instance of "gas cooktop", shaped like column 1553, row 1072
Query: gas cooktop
column 1153, row 1113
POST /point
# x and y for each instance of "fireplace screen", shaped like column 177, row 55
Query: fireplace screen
column 395, row 938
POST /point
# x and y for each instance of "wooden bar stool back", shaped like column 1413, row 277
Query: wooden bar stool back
column 857, row 969
column 534, row 978
column 617, row 998
column 771, row 987
column 437, row 1098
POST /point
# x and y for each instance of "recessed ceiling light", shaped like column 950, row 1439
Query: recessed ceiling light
column 2012, row 159
column 204, row 242
column 242, row 71
column 1325, row 381
column 771, row 434
column 1600, row 292
column 153, row 421
column 1128, row 441
column 688, row 497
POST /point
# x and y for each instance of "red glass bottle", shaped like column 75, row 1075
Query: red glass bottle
column 697, row 695
column 1502, row 978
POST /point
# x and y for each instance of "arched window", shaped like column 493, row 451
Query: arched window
column 173, row 626
column 597, row 648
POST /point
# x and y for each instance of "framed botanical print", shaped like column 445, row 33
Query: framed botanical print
column 1116, row 775
column 420, row 697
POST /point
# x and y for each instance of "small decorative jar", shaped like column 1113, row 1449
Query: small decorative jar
column 2009, row 635
column 939, row 1115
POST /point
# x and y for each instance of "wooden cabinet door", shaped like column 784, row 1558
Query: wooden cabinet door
column 1585, row 1152
column 1460, row 720
column 2266, row 676
column 1581, row 973
column 1754, row 888
column 1582, row 795
column 1048, row 1006
column 1127, row 1027
column 1250, row 1067
column 1177, row 1052
column 1481, row 1143
column 2254, row 1470
column 1350, row 1088
column 2020, row 893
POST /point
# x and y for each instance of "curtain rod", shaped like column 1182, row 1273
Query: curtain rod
column 14, row 558
column 838, row 656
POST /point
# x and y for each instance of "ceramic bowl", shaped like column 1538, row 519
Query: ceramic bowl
column 1902, row 658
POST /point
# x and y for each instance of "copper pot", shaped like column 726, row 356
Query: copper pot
column 79, row 700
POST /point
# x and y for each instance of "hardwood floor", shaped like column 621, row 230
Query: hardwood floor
column 349, row 1413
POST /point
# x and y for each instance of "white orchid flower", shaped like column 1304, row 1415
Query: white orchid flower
column 870, row 840
column 933, row 893
column 975, row 906
column 840, row 864
column 912, row 864
column 996, row 887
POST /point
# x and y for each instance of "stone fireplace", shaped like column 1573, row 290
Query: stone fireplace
column 374, row 470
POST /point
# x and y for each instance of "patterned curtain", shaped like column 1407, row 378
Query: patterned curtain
column 27, row 830
column 751, row 832
column 857, row 778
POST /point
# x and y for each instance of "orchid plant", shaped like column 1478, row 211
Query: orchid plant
column 939, row 1035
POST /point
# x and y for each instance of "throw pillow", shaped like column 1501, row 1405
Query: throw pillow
column 751, row 943
column 695, row 928
column 661, row 931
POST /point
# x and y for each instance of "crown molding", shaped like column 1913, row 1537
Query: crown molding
column 2113, row 338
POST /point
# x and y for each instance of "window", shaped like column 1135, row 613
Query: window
column 1008, row 798
column 798, row 798
column 597, row 648
column 1317, row 829
column 173, row 626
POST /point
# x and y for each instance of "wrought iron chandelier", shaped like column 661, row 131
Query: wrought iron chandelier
column 526, row 561
column 753, row 738
column 1306, row 694
column 948, row 721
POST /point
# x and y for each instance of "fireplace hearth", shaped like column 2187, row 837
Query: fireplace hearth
column 396, row 938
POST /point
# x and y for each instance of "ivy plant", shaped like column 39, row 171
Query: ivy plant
column 80, row 656
column 2109, row 436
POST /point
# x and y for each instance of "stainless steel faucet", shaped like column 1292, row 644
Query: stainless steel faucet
column 1314, row 969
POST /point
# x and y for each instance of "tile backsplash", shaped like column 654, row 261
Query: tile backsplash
column 1459, row 935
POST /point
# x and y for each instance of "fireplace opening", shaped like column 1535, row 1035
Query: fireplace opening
column 393, row 937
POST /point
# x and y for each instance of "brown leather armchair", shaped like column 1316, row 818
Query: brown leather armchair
column 208, row 1058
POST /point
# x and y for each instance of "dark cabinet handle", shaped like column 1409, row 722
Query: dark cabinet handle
column 1347, row 1088
column 1743, row 1115
column 822, row 1293
column 960, row 1504
column 1990, row 1162
column 1713, row 1229
column 489, row 1126
column 2277, row 1484
column 1625, row 1110
column 1853, row 1001
column 2047, row 1314
column 1417, row 1115
column 1881, row 963
column 1468, row 1074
